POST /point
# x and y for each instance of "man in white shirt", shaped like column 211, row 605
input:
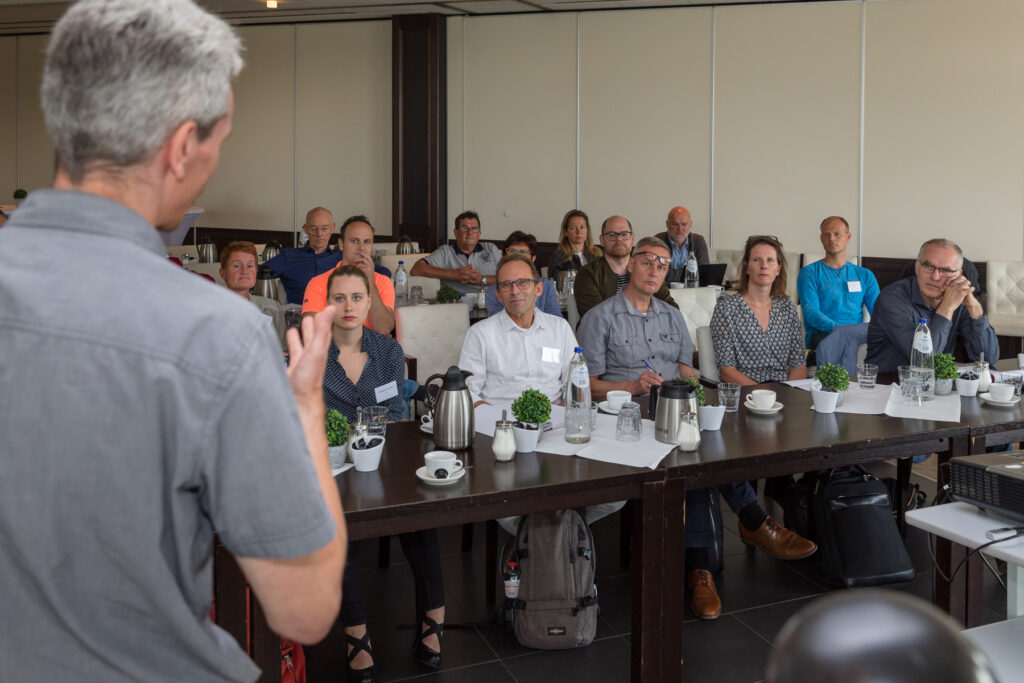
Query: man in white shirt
column 521, row 348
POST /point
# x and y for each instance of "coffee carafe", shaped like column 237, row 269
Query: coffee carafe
column 272, row 249
column 668, row 403
column 453, row 410
column 207, row 250
column 266, row 283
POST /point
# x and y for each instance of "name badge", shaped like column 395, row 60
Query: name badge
column 551, row 355
column 386, row 391
column 853, row 285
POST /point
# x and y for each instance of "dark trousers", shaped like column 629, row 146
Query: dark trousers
column 700, row 531
column 422, row 550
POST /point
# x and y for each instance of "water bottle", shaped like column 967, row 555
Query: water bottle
column 922, row 359
column 511, row 579
column 401, row 282
column 577, row 400
column 692, row 278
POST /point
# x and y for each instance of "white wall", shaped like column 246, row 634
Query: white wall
column 750, row 115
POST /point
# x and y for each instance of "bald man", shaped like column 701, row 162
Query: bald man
column 296, row 267
column 682, row 242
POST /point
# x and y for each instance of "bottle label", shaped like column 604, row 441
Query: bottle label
column 512, row 587
column 581, row 377
column 923, row 343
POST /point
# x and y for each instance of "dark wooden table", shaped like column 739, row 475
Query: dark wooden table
column 748, row 446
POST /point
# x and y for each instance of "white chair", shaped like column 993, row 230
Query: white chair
column 732, row 258
column 430, row 285
column 708, row 366
column 432, row 335
column 390, row 261
column 1005, row 285
column 696, row 304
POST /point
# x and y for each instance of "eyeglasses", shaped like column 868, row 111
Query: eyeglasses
column 520, row 284
column 929, row 269
column 613, row 236
column 521, row 252
column 469, row 228
column 650, row 258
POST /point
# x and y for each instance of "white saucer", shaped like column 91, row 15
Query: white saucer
column 426, row 478
column 427, row 428
column 763, row 411
column 605, row 408
column 987, row 397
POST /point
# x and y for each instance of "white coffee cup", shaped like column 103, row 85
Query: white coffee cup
column 1000, row 391
column 615, row 399
column 427, row 420
column 436, row 461
column 763, row 399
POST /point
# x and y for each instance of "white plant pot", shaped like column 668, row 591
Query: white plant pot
column 967, row 387
column 336, row 454
column 825, row 401
column 710, row 417
column 526, row 439
column 367, row 459
column 943, row 387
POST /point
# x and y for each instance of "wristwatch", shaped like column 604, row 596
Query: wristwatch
column 485, row 279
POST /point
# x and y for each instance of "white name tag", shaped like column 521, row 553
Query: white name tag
column 386, row 391
column 853, row 285
column 551, row 355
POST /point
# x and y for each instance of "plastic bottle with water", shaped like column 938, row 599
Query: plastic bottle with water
column 401, row 282
column 692, row 276
column 922, row 359
column 577, row 400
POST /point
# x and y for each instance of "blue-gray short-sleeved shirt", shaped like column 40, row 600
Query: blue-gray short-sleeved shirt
column 484, row 258
column 143, row 409
column 617, row 339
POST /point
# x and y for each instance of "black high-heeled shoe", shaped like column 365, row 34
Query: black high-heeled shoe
column 359, row 645
column 424, row 655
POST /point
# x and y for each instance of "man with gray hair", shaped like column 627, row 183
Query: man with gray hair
column 940, row 293
column 176, row 419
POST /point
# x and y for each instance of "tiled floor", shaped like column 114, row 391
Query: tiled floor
column 758, row 593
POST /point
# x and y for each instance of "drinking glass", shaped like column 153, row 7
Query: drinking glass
column 910, row 385
column 867, row 373
column 1016, row 380
column 415, row 295
column 292, row 315
column 593, row 412
column 729, row 396
column 627, row 427
column 376, row 419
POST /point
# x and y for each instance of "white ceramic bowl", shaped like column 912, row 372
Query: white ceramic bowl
column 367, row 459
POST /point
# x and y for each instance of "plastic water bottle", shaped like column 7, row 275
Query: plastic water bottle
column 692, row 278
column 922, row 359
column 577, row 400
column 401, row 282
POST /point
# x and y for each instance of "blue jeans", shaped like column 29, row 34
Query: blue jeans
column 700, row 531
column 840, row 346
column 409, row 388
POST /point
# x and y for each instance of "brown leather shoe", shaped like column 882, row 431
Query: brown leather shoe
column 705, row 602
column 778, row 541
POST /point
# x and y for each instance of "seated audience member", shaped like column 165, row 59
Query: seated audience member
column 524, row 244
column 970, row 271
column 467, row 266
column 757, row 333
column 833, row 294
column 238, row 270
column 357, row 245
column 682, row 242
column 624, row 335
column 521, row 347
column 363, row 367
column 575, row 245
column 940, row 293
column 603, row 277
column 296, row 266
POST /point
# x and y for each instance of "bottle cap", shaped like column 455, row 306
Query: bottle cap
column 579, row 349
column 401, row 262
column 923, row 320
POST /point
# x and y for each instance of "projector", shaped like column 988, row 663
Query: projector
column 992, row 481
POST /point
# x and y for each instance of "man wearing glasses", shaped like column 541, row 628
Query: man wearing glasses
column 940, row 293
column 467, row 266
column 602, row 278
column 632, row 342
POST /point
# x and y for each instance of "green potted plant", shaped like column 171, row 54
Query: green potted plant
column 336, row 426
column 945, row 373
column 532, row 409
column 447, row 295
column 834, row 379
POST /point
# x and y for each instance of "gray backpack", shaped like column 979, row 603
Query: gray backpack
column 557, row 604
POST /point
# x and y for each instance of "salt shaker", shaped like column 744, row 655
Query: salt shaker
column 360, row 430
column 504, row 443
column 984, row 378
column 688, row 434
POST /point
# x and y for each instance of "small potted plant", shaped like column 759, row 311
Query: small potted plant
column 834, row 379
column 336, row 426
column 532, row 409
column 447, row 295
column 945, row 373
column 967, row 383
column 18, row 195
column 708, row 417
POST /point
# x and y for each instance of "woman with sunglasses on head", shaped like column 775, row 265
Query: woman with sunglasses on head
column 576, row 247
column 361, row 365
column 757, row 333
